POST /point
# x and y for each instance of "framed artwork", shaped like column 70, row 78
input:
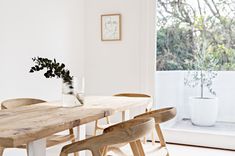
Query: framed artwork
column 111, row 27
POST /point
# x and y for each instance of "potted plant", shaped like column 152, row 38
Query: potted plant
column 203, row 109
column 57, row 70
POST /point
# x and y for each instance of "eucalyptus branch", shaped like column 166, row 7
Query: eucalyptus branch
column 53, row 69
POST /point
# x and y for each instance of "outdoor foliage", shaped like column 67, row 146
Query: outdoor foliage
column 171, row 53
column 188, row 29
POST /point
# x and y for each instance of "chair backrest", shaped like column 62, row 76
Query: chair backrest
column 135, row 128
column 132, row 95
column 160, row 115
column 136, row 95
column 14, row 103
column 124, row 132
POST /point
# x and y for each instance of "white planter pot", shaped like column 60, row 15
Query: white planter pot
column 203, row 111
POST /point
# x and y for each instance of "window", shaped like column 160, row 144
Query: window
column 196, row 47
column 189, row 31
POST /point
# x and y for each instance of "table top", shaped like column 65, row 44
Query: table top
column 24, row 124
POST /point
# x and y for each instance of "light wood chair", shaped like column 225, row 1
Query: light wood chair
column 52, row 140
column 132, row 95
column 108, row 123
column 146, row 109
column 160, row 116
column 127, row 132
column 102, row 126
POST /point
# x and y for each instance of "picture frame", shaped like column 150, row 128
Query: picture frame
column 111, row 27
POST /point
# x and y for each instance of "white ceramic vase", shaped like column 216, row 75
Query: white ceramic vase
column 203, row 111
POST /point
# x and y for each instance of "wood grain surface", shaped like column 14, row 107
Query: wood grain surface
column 24, row 124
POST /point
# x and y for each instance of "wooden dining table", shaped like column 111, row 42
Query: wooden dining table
column 32, row 124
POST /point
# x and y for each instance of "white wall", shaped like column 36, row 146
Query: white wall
column 70, row 32
column 170, row 91
column 29, row 28
column 119, row 66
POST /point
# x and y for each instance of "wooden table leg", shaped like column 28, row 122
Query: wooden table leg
column 81, row 134
column 37, row 148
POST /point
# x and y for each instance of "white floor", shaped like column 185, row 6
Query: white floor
column 174, row 150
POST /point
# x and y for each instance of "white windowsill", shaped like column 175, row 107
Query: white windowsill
column 222, row 135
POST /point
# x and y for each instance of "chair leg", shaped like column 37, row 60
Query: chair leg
column 1, row 151
column 140, row 148
column 134, row 148
column 153, row 139
column 107, row 120
column 95, row 129
column 73, row 139
column 144, row 140
column 160, row 135
column 96, row 152
column 61, row 154
column 161, row 138
column 104, row 151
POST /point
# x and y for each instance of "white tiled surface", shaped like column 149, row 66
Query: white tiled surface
column 175, row 150
column 221, row 135
column 223, row 128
